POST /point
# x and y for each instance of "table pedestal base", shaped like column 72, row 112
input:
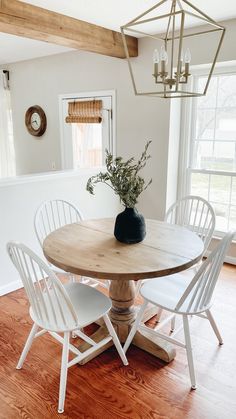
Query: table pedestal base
column 123, row 314
column 154, row 345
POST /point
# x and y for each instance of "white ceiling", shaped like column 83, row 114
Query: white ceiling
column 114, row 13
column 14, row 48
column 110, row 14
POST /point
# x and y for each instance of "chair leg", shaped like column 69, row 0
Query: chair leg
column 135, row 326
column 72, row 278
column 172, row 327
column 214, row 326
column 138, row 286
column 27, row 346
column 64, row 370
column 159, row 314
column 189, row 352
column 115, row 339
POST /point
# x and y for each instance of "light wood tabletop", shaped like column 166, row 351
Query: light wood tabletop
column 89, row 248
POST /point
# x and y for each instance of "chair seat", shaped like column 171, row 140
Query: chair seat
column 89, row 305
column 166, row 291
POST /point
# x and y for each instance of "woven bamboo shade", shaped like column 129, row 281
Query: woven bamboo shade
column 85, row 112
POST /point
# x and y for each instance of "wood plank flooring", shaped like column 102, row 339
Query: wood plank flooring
column 104, row 389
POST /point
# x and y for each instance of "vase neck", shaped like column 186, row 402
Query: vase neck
column 130, row 210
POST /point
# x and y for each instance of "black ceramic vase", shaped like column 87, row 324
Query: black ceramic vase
column 130, row 226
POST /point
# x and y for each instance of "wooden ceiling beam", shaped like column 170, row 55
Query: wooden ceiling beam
column 23, row 19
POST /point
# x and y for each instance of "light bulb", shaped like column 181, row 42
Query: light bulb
column 163, row 55
column 187, row 56
column 155, row 56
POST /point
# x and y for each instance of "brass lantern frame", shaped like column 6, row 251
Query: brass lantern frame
column 196, row 13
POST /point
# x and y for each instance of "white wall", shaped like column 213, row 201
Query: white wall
column 19, row 201
column 138, row 119
column 40, row 81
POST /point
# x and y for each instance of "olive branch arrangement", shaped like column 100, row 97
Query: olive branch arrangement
column 122, row 177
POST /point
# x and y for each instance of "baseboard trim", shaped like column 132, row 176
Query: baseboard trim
column 228, row 259
column 231, row 260
column 13, row 286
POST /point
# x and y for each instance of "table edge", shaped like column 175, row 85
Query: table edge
column 134, row 276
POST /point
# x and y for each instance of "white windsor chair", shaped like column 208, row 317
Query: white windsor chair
column 196, row 214
column 52, row 215
column 186, row 297
column 57, row 308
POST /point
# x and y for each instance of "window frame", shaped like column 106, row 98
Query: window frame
column 188, row 110
column 87, row 95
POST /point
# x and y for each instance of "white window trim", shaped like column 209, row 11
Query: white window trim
column 88, row 95
column 187, row 110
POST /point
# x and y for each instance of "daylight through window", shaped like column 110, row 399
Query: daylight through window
column 213, row 148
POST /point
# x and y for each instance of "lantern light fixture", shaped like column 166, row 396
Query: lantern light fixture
column 172, row 56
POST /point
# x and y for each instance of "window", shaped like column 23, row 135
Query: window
column 212, row 148
column 84, row 143
column 7, row 150
column 87, row 145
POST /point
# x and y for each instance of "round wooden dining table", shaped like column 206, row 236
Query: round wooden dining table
column 89, row 248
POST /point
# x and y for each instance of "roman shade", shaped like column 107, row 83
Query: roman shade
column 85, row 112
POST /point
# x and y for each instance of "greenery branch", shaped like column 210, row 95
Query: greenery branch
column 122, row 177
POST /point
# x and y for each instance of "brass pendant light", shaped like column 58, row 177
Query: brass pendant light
column 170, row 74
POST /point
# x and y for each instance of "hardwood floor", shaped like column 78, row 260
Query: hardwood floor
column 104, row 389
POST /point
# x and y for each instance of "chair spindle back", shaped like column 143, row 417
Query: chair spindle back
column 52, row 215
column 50, row 303
column 194, row 213
column 199, row 293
